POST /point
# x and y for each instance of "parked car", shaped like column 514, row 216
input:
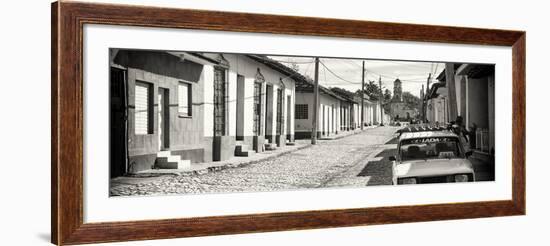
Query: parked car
column 431, row 157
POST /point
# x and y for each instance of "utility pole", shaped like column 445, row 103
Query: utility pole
column 316, row 103
column 426, row 96
column 450, row 80
column 422, row 97
column 363, row 96
column 380, row 101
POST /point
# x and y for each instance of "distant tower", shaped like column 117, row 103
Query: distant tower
column 397, row 91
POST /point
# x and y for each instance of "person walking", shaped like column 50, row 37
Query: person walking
column 472, row 135
column 459, row 129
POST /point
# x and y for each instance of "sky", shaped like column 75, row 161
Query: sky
column 346, row 73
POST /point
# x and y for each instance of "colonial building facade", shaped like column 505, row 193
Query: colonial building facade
column 173, row 109
column 475, row 102
column 330, row 111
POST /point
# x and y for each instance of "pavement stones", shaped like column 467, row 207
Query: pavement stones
column 326, row 164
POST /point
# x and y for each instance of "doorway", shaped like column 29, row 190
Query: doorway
column 163, row 119
column 279, row 119
column 333, row 120
column 240, row 108
column 118, row 123
column 288, row 117
column 269, row 112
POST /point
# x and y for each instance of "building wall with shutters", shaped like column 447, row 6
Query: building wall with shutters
column 329, row 115
column 192, row 136
column 163, row 70
column 248, row 68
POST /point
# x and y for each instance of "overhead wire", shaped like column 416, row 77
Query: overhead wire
column 369, row 72
column 336, row 75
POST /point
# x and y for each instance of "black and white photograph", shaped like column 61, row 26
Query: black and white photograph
column 192, row 122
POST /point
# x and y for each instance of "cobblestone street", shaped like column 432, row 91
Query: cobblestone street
column 353, row 161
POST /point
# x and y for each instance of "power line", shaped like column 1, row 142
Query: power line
column 383, row 75
column 325, row 73
column 337, row 76
column 307, row 69
column 293, row 62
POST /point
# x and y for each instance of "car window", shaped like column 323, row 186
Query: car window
column 429, row 148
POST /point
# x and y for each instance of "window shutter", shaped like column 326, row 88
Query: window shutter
column 183, row 99
column 142, row 109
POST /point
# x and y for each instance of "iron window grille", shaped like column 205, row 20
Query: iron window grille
column 301, row 111
column 279, row 111
column 219, row 102
column 257, row 107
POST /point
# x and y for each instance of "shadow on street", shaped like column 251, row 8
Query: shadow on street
column 380, row 171
column 392, row 141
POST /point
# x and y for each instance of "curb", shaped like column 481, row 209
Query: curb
column 348, row 135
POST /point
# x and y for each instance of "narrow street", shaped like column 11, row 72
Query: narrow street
column 353, row 161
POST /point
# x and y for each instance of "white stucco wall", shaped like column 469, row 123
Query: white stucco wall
column 327, row 115
column 369, row 110
column 208, row 104
column 231, row 105
column 242, row 65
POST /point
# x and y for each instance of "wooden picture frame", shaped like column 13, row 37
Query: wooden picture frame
column 68, row 20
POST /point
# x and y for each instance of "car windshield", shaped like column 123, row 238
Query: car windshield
column 430, row 148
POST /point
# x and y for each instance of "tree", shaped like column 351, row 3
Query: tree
column 342, row 92
column 387, row 100
column 387, row 95
column 411, row 101
column 372, row 90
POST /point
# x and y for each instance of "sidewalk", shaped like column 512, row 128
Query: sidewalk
column 484, row 167
column 234, row 162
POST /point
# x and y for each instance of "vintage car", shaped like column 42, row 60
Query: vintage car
column 431, row 157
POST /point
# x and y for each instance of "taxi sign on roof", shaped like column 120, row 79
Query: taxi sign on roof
column 426, row 134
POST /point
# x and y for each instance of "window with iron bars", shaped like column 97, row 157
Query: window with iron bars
column 279, row 111
column 257, row 108
column 301, row 111
column 219, row 102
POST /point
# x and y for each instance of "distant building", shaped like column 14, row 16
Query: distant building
column 400, row 110
column 371, row 115
column 397, row 91
column 334, row 111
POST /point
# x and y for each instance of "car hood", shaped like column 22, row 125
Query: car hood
column 433, row 167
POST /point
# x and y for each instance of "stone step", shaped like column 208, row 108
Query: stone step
column 246, row 153
column 171, row 158
column 181, row 164
column 241, row 148
column 270, row 146
column 165, row 160
column 164, row 153
column 167, row 165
